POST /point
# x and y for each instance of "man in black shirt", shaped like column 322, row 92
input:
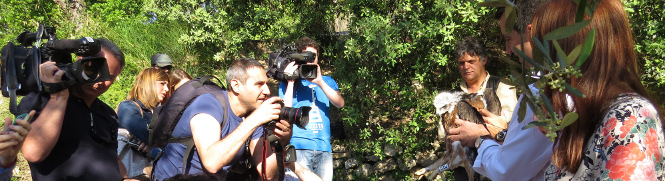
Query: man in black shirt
column 74, row 134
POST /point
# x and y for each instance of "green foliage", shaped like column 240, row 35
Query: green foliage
column 397, row 54
column 17, row 16
column 115, row 12
column 646, row 21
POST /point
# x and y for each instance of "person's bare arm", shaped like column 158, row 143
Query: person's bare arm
column 334, row 96
column 302, row 172
column 46, row 129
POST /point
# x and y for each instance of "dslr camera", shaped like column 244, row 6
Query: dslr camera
column 20, row 63
column 278, row 61
column 297, row 116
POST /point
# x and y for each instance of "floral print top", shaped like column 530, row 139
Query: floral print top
column 628, row 144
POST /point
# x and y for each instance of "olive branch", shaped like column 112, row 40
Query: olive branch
column 547, row 70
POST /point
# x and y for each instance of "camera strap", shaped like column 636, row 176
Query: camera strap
column 12, row 80
column 57, row 87
column 278, row 155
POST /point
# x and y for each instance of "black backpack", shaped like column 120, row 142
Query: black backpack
column 166, row 117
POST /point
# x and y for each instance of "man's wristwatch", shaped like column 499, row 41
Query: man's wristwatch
column 501, row 135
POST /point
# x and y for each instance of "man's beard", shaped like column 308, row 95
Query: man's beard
column 249, row 106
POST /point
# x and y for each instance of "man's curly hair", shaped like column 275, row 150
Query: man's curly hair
column 305, row 42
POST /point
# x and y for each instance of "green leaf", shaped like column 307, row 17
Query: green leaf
column 570, row 59
column 510, row 20
column 522, row 111
column 586, row 48
column 540, row 45
column 581, row 7
column 573, row 90
column 544, row 51
column 566, row 31
column 547, row 104
column 529, row 60
column 559, row 53
column 568, row 119
column 508, row 82
column 530, row 80
column 534, row 124
column 496, row 3
column 509, row 61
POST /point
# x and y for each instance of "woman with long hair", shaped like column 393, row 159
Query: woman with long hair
column 134, row 115
column 619, row 133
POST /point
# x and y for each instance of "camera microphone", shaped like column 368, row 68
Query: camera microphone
column 85, row 46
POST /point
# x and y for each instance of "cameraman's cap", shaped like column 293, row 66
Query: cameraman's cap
column 160, row 60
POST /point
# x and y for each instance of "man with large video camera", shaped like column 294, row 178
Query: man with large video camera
column 74, row 133
column 221, row 125
column 312, row 144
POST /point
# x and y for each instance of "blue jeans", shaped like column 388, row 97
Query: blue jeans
column 319, row 162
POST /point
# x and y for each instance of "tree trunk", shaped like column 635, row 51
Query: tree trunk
column 75, row 10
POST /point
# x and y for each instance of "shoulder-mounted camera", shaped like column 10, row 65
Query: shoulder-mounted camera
column 20, row 63
column 278, row 61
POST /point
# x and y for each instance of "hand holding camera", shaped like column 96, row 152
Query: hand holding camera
column 290, row 71
column 50, row 73
column 317, row 80
column 268, row 111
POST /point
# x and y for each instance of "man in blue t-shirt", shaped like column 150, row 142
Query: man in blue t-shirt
column 218, row 146
column 313, row 143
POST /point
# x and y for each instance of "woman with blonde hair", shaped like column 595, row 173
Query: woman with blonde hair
column 619, row 133
column 134, row 115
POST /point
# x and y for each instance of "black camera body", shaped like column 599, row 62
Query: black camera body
column 297, row 116
column 278, row 61
column 20, row 63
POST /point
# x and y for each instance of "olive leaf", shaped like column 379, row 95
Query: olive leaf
column 586, row 48
column 559, row 53
column 573, row 90
column 528, row 59
column 566, row 31
column 510, row 20
column 522, row 111
column 581, row 8
column 570, row 59
column 568, row 119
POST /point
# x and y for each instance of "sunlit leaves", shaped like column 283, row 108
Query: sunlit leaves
column 566, row 31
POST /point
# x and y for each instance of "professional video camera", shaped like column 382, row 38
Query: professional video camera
column 20, row 63
column 278, row 61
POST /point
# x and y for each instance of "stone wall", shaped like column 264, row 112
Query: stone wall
column 353, row 167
